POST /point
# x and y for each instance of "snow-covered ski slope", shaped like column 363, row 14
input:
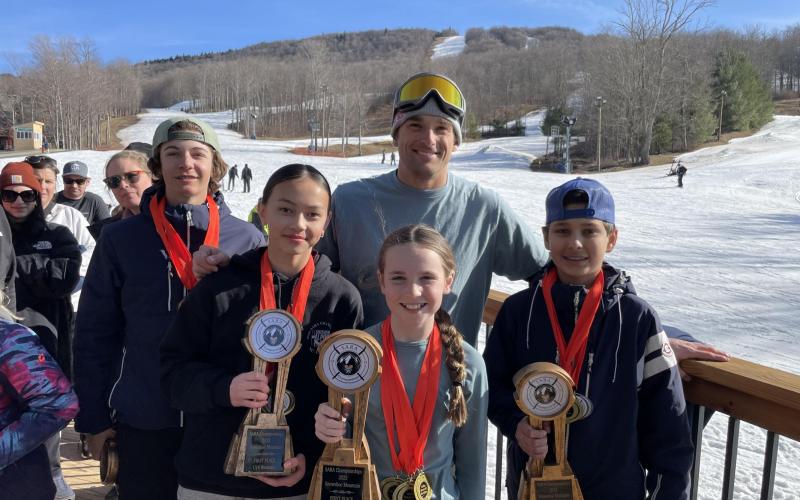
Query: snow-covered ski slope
column 450, row 46
column 718, row 258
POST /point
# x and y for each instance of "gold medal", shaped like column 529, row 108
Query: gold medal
column 388, row 487
column 422, row 487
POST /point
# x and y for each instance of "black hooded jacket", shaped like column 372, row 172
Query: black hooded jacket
column 48, row 262
column 203, row 351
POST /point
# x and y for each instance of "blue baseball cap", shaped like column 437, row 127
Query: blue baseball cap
column 600, row 205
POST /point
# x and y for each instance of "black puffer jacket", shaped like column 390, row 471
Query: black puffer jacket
column 48, row 263
column 203, row 352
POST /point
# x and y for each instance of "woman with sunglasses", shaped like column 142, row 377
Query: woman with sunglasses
column 48, row 261
column 127, row 176
column 139, row 275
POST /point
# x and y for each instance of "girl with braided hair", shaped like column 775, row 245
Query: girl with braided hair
column 426, row 420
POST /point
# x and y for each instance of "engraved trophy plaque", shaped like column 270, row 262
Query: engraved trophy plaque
column 544, row 391
column 263, row 442
column 349, row 363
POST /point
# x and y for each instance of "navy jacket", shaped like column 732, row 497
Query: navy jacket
column 638, row 426
column 203, row 351
column 130, row 297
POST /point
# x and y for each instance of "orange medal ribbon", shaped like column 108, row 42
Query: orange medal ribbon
column 302, row 288
column 412, row 425
column 177, row 251
column 571, row 356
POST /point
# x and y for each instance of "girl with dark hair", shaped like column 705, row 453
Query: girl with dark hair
column 139, row 275
column 206, row 370
column 426, row 419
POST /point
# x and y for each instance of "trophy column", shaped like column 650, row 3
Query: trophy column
column 544, row 391
column 349, row 363
column 263, row 442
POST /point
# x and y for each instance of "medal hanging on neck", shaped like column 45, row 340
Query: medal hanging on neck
column 176, row 249
column 572, row 354
column 302, row 288
column 410, row 423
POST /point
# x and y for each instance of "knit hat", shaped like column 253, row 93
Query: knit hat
column 205, row 135
column 431, row 108
column 600, row 205
column 76, row 168
column 19, row 174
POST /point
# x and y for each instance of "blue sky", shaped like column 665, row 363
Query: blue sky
column 147, row 29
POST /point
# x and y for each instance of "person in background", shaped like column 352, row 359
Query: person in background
column 681, row 172
column 48, row 262
column 46, row 170
column 247, row 176
column 36, row 402
column 127, row 176
column 76, row 180
column 233, row 173
column 140, row 273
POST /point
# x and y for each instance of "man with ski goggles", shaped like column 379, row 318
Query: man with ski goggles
column 486, row 235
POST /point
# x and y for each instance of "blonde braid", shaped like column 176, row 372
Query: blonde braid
column 451, row 338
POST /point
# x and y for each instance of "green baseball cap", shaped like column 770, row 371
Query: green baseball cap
column 163, row 133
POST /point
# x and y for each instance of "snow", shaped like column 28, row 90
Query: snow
column 450, row 46
column 717, row 259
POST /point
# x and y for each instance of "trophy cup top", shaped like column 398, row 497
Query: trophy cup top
column 273, row 335
column 544, row 390
column 349, row 360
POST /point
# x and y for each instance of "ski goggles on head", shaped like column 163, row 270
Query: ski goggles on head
column 416, row 90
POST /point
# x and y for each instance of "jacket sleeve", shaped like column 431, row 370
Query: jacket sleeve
column 191, row 382
column 518, row 250
column 8, row 261
column 664, row 437
column 471, row 438
column 99, row 334
column 32, row 378
column 499, row 355
column 53, row 275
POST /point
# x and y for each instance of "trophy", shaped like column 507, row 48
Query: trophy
column 544, row 391
column 349, row 362
column 263, row 442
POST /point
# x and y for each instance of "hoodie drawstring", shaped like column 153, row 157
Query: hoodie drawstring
column 530, row 315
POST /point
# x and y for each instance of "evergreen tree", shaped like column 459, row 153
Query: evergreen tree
column 747, row 104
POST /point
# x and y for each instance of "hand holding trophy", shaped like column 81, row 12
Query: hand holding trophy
column 263, row 442
column 349, row 362
column 544, row 391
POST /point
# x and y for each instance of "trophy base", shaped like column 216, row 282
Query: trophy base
column 341, row 477
column 260, row 449
column 555, row 484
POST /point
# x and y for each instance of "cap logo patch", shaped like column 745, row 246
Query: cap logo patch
column 186, row 135
column 16, row 179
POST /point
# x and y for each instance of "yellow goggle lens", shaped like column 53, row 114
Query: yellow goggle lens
column 419, row 87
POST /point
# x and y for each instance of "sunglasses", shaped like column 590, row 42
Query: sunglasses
column 415, row 92
column 35, row 160
column 131, row 177
column 72, row 180
column 10, row 196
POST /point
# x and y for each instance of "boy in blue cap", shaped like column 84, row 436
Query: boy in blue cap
column 632, row 440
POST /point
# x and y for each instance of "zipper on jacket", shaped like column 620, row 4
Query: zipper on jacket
column 169, row 285
column 589, row 373
column 188, row 244
column 577, row 302
column 119, row 377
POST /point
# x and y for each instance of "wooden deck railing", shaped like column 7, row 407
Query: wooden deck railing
column 745, row 391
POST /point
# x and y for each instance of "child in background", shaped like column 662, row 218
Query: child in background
column 427, row 366
column 583, row 314
column 206, row 370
